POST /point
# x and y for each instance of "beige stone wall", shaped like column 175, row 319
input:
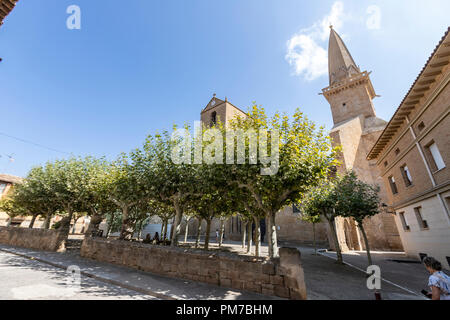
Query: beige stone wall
column 225, row 112
column 434, row 241
column 290, row 228
column 41, row 239
column 3, row 219
column 8, row 187
column 282, row 277
column 356, row 137
column 357, row 100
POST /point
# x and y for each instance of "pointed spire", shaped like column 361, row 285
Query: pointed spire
column 340, row 62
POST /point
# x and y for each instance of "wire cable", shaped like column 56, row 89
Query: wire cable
column 33, row 143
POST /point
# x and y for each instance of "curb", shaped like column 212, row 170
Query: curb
column 93, row 276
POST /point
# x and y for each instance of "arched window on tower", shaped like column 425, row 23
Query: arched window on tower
column 213, row 118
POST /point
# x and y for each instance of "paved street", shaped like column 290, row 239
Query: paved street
column 24, row 279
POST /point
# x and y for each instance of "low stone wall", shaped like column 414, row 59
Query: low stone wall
column 40, row 239
column 281, row 277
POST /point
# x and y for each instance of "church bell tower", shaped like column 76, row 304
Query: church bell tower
column 350, row 92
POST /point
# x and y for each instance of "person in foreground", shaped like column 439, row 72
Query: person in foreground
column 438, row 281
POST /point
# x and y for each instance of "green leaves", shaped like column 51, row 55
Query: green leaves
column 344, row 196
column 356, row 199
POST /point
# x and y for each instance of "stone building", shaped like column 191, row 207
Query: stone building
column 6, row 183
column 413, row 157
column 356, row 128
column 219, row 110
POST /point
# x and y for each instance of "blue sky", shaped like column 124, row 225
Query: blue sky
column 136, row 68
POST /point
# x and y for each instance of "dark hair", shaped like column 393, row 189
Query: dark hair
column 432, row 263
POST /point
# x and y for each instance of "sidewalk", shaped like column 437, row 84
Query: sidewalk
column 406, row 273
column 143, row 282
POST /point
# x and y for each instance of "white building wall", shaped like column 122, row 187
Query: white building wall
column 434, row 241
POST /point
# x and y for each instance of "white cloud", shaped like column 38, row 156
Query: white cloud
column 307, row 57
column 305, row 54
column 374, row 20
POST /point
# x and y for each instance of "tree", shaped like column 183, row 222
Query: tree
column 164, row 211
column 246, row 239
column 8, row 206
column 321, row 201
column 165, row 180
column 32, row 196
column 65, row 180
column 299, row 157
column 313, row 219
column 114, row 222
column 358, row 200
column 125, row 190
column 96, row 201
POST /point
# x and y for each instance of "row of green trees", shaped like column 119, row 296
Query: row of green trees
column 147, row 181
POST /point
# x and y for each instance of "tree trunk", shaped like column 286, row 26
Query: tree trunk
column 257, row 236
column 336, row 241
column 139, row 229
column 65, row 223
column 171, row 228
column 94, row 224
column 176, row 227
column 186, row 230
column 244, row 234
column 273, row 244
column 74, row 223
column 33, row 219
column 199, row 229
column 249, row 236
column 208, row 231
column 366, row 242
column 314, row 239
column 165, row 223
column 221, row 230
column 48, row 218
column 126, row 231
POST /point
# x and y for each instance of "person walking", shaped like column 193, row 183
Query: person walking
column 438, row 281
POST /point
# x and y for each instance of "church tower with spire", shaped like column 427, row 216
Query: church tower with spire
column 356, row 128
column 350, row 92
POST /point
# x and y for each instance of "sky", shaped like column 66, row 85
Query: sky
column 140, row 66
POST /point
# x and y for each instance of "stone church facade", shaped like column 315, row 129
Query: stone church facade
column 356, row 129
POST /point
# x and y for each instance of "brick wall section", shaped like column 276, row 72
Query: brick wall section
column 281, row 277
column 40, row 239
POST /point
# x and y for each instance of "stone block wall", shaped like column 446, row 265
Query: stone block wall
column 40, row 239
column 282, row 277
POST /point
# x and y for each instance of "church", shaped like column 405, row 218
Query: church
column 356, row 128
